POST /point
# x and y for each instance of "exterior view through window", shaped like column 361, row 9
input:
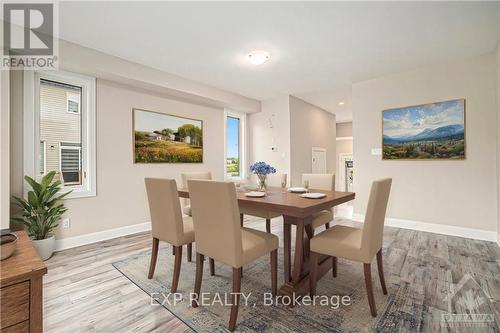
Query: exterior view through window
column 60, row 131
column 233, row 147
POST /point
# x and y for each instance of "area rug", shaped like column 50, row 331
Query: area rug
column 422, row 275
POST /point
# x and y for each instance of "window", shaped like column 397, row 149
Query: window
column 60, row 113
column 73, row 102
column 234, row 146
column 42, row 157
column 70, row 157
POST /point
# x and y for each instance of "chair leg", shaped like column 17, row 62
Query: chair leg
column 177, row 268
column 274, row 272
column 327, row 225
column 241, row 219
column 236, row 298
column 212, row 267
column 190, row 252
column 369, row 289
column 197, row 282
column 154, row 257
column 313, row 273
column 268, row 226
column 380, row 267
column 334, row 266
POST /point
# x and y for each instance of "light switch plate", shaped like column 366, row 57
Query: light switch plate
column 376, row 151
column 66, row 223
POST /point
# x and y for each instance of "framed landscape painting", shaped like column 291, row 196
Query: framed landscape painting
column 424, row 132
column 165, row 138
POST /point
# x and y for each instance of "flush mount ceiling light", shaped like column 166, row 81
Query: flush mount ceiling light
column 341, row 103
column 258, row 57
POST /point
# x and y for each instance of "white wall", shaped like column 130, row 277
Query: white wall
column 498, row 141
column 310, row 127
column 79, row 59
column 458, row 193
column 271, row 127
column 16, row 136
column 121, row 196
column 4, row 149
column 293, row 126
column 122, row 85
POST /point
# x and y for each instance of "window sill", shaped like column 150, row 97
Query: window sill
column 78, row 193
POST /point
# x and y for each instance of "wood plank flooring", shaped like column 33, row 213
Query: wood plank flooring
column 83, row 292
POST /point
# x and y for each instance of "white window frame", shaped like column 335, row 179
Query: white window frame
column 242, row 145
column 42, row 172
column 71, row 97
column 88, row 117
column 63, row 146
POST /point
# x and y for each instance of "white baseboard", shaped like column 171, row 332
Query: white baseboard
column 443, row 229
column 70, row 242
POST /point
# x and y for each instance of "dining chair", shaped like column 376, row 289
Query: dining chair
column 220, row 236
column 325, row 182
column 168, row 224
column 192, row 175
column 272, row 180
column 356, row 244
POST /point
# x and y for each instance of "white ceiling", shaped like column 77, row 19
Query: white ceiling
column 317, row 49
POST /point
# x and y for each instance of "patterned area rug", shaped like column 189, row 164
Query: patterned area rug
column 435, row 284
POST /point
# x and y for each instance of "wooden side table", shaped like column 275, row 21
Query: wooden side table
column 21, row 286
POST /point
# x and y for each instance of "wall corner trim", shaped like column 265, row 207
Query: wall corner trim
column 443, row 229
column 71, row 242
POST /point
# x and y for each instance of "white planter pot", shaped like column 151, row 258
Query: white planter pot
column 45, row 247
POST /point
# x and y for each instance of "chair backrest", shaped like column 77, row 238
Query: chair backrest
column 165, row 210
column 320, row 181
column 216, row 219
column 194, row 175
column 373, row 228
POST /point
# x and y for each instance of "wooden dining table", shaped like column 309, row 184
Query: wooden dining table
column 297, row 211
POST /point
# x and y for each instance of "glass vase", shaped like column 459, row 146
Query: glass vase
column 262, row 183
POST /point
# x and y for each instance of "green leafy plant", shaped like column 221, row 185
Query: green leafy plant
column 43, row 209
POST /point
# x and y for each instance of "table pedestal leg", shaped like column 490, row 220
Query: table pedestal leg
column 297, row 277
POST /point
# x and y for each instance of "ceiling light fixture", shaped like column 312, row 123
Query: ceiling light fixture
column 341, row 103
column 258, row 57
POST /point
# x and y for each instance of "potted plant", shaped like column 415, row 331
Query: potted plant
column 42, row 212
column 262, row 169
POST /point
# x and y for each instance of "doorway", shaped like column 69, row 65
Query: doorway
column 346, row 172
column 318, row 160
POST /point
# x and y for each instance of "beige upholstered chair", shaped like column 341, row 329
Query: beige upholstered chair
column 356, row 244
column 325, row 182
column 167, row 223
column 219, row 235
column 272, row 180
column 192, row 175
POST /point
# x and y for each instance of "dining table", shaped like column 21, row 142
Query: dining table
column 297, row 211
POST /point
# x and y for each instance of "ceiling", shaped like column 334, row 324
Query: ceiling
column 317, row 49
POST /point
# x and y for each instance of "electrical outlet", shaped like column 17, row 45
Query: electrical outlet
column 66, row 223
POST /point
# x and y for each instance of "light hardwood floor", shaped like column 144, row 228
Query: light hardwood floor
column 83, row 292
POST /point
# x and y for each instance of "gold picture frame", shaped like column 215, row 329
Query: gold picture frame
column 160, row 137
